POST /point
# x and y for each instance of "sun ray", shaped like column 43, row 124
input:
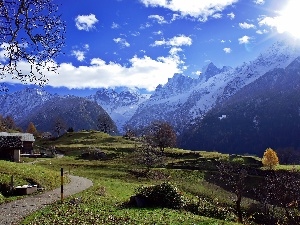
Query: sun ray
column 289, row 19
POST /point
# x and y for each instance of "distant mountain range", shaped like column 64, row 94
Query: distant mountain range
column 242, row 109
column 44, row 110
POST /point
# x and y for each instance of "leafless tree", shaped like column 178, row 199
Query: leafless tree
column 160, row 134
column 147, row 155
column 233, row 176
column 280, row 189
column 59, row 126
column 32, row 35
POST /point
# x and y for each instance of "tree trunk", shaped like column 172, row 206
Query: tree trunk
column 238, row 208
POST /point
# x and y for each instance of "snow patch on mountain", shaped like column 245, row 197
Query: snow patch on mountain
column 20, row 103
column 183, row 100
column 120, row 103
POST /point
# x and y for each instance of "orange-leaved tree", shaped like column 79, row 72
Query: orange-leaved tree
column 270, row 158
column 31, row 129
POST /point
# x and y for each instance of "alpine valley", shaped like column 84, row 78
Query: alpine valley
column 237, row 110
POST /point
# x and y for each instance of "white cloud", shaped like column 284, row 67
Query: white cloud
column 122, row 42
column 5, row 49
column 247, row 25
column 174, row 51
column 159, row 19
column 286, row 21
column 231, row 15
column 217, row 16
column 135, row 33
column 268, row 21
column 3, row 52
column 227, row 50
column 264, row 31
column 85, row 22
column 244, row 40
column 158, row 32
column 175, row 41
column 115, row 26
column 175, row 17
column 198, row 72
column 146, row 25
column 201, row 10
column 79, row 55
column 222, row 41
column 259, row 2
column 142, row 72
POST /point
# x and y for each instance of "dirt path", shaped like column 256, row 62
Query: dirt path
column 12, row 212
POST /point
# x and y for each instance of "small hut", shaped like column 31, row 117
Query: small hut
column 12, row 145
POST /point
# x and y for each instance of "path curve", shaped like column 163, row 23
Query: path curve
column 13, row 212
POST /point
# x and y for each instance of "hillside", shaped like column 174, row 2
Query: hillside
column 263, row 114
column 76, row 112
column 117, row 176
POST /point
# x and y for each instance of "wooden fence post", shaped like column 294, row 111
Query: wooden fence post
column 62, row 185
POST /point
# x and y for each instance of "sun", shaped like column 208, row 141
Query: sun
column 289, row 18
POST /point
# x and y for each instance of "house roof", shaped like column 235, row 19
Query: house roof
column 10, row 142
column 22, row 136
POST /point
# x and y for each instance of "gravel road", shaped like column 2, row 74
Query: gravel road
column 13, row 212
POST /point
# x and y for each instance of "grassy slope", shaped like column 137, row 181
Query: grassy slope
column 27, row 174
column 113, row 185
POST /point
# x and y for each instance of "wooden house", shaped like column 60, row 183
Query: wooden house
column 12, row 145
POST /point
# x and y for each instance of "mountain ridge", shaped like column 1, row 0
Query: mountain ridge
column 184, row 101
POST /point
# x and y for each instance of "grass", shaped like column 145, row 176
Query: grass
column 28, row 174
column 73, row 144
column 115, row 182
column 103, row 203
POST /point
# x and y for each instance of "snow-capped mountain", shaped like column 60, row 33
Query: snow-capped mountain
column 20, row 103
column 181, row 108
column 181, row 101
column 211, row 70
column 120, row 103
column 265, row 113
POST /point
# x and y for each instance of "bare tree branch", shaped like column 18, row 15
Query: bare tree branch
column 32, row 34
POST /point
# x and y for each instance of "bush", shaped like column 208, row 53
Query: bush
column 211, row 208
column 163, row 195
column 5, row 189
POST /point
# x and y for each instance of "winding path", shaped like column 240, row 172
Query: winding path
column 13, row 212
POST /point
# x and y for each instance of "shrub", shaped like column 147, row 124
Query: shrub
column 95, row 154
column 70, row 129
column 5, row 189
column 211, row 208
column 162, row 195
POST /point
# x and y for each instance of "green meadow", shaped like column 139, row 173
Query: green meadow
column 117, row 177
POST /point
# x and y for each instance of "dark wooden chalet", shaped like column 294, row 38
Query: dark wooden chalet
column 14, row 144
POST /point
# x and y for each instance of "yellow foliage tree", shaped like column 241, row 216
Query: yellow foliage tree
column 270, row 158
column 31, row 129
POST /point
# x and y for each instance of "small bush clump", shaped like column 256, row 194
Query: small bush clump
column 163, row 195
column 211, row 208
column 5, row 190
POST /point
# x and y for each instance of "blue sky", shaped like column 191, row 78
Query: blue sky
column 142, row 43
